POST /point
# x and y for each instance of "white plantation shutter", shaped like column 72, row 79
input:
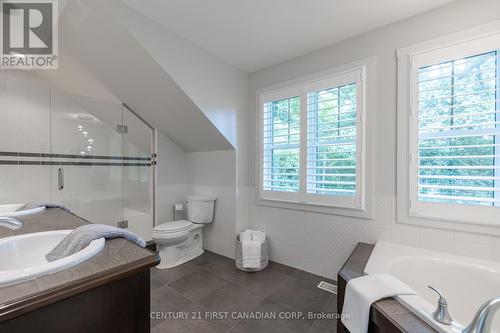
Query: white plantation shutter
column 333, row 107
column 311, row 142
column 281, row 147
column 458, row 150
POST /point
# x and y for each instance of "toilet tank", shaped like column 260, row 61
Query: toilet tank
column 200, row 208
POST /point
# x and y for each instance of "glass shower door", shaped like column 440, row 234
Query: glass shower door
column 92, row 156
column 137, row 175
column 86, row 154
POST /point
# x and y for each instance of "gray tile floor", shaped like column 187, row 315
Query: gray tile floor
column 195, row 297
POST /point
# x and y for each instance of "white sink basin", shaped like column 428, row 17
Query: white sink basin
column 22, row 257
column 11, row 210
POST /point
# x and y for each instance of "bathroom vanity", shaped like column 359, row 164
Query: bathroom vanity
column 109, row 292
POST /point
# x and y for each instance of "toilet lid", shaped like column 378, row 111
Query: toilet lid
column 175, row 226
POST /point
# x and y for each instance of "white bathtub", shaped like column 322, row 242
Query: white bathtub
column 466, row 283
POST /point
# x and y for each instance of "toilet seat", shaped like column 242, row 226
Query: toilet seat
column 172, row 227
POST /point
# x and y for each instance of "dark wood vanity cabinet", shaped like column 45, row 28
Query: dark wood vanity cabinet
column 121, row 305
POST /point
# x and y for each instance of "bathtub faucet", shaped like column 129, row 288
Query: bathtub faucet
column 10, row 223
column 441, row 314
column 481, row 323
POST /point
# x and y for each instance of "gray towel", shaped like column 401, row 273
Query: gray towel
column 79, row 238
column 33, row 205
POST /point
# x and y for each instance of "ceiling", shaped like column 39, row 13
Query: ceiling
column 118, row 61
column 255, row 34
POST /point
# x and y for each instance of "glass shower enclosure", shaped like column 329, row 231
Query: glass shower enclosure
column 93, row 156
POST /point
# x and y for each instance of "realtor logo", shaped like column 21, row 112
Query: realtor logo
column 29, row 34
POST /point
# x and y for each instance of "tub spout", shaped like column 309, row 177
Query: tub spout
column 10, row 223
column 481, row 323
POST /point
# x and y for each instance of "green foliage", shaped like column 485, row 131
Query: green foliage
column 284, row 159
column 456, row 109
column 332, row 139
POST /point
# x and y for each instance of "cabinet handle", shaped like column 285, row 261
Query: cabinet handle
column 60, row 178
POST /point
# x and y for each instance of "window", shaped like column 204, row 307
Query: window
column 459, row 133
column 453, row 132
column 281, row 145
column 312, row 142
column 331, row 141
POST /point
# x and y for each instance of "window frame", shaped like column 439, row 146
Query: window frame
column 361, row 205
column 410, row 210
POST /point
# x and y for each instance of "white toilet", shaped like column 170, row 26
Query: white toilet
column 181, row 241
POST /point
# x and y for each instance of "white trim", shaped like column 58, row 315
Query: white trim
column 450, row 40
column 303, row 145
column 480, row 219
column 361, row 205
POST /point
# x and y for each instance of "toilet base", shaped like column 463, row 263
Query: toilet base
column 162, row 265
column 172, row 256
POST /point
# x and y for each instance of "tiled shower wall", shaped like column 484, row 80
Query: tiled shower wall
column 24, row 127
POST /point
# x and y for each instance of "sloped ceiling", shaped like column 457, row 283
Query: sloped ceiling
column 103, row 46
column 255, row 34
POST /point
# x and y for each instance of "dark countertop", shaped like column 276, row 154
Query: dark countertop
column 118, row 259
column 388, row 315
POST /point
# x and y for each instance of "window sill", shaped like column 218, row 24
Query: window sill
column 320, row 209
column 452, row 225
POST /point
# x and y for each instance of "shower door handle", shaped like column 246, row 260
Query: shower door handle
column 60, row 178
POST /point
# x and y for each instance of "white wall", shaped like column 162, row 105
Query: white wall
column 218, row 89
column 64, row 79
column 321, row 243
column 208, row 173
column 90, row 25
column 171, row 177
column 213, row 173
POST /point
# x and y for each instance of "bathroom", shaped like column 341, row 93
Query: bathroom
column 179, row 125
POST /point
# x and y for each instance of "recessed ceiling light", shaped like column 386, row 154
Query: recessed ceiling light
column 86, row 117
